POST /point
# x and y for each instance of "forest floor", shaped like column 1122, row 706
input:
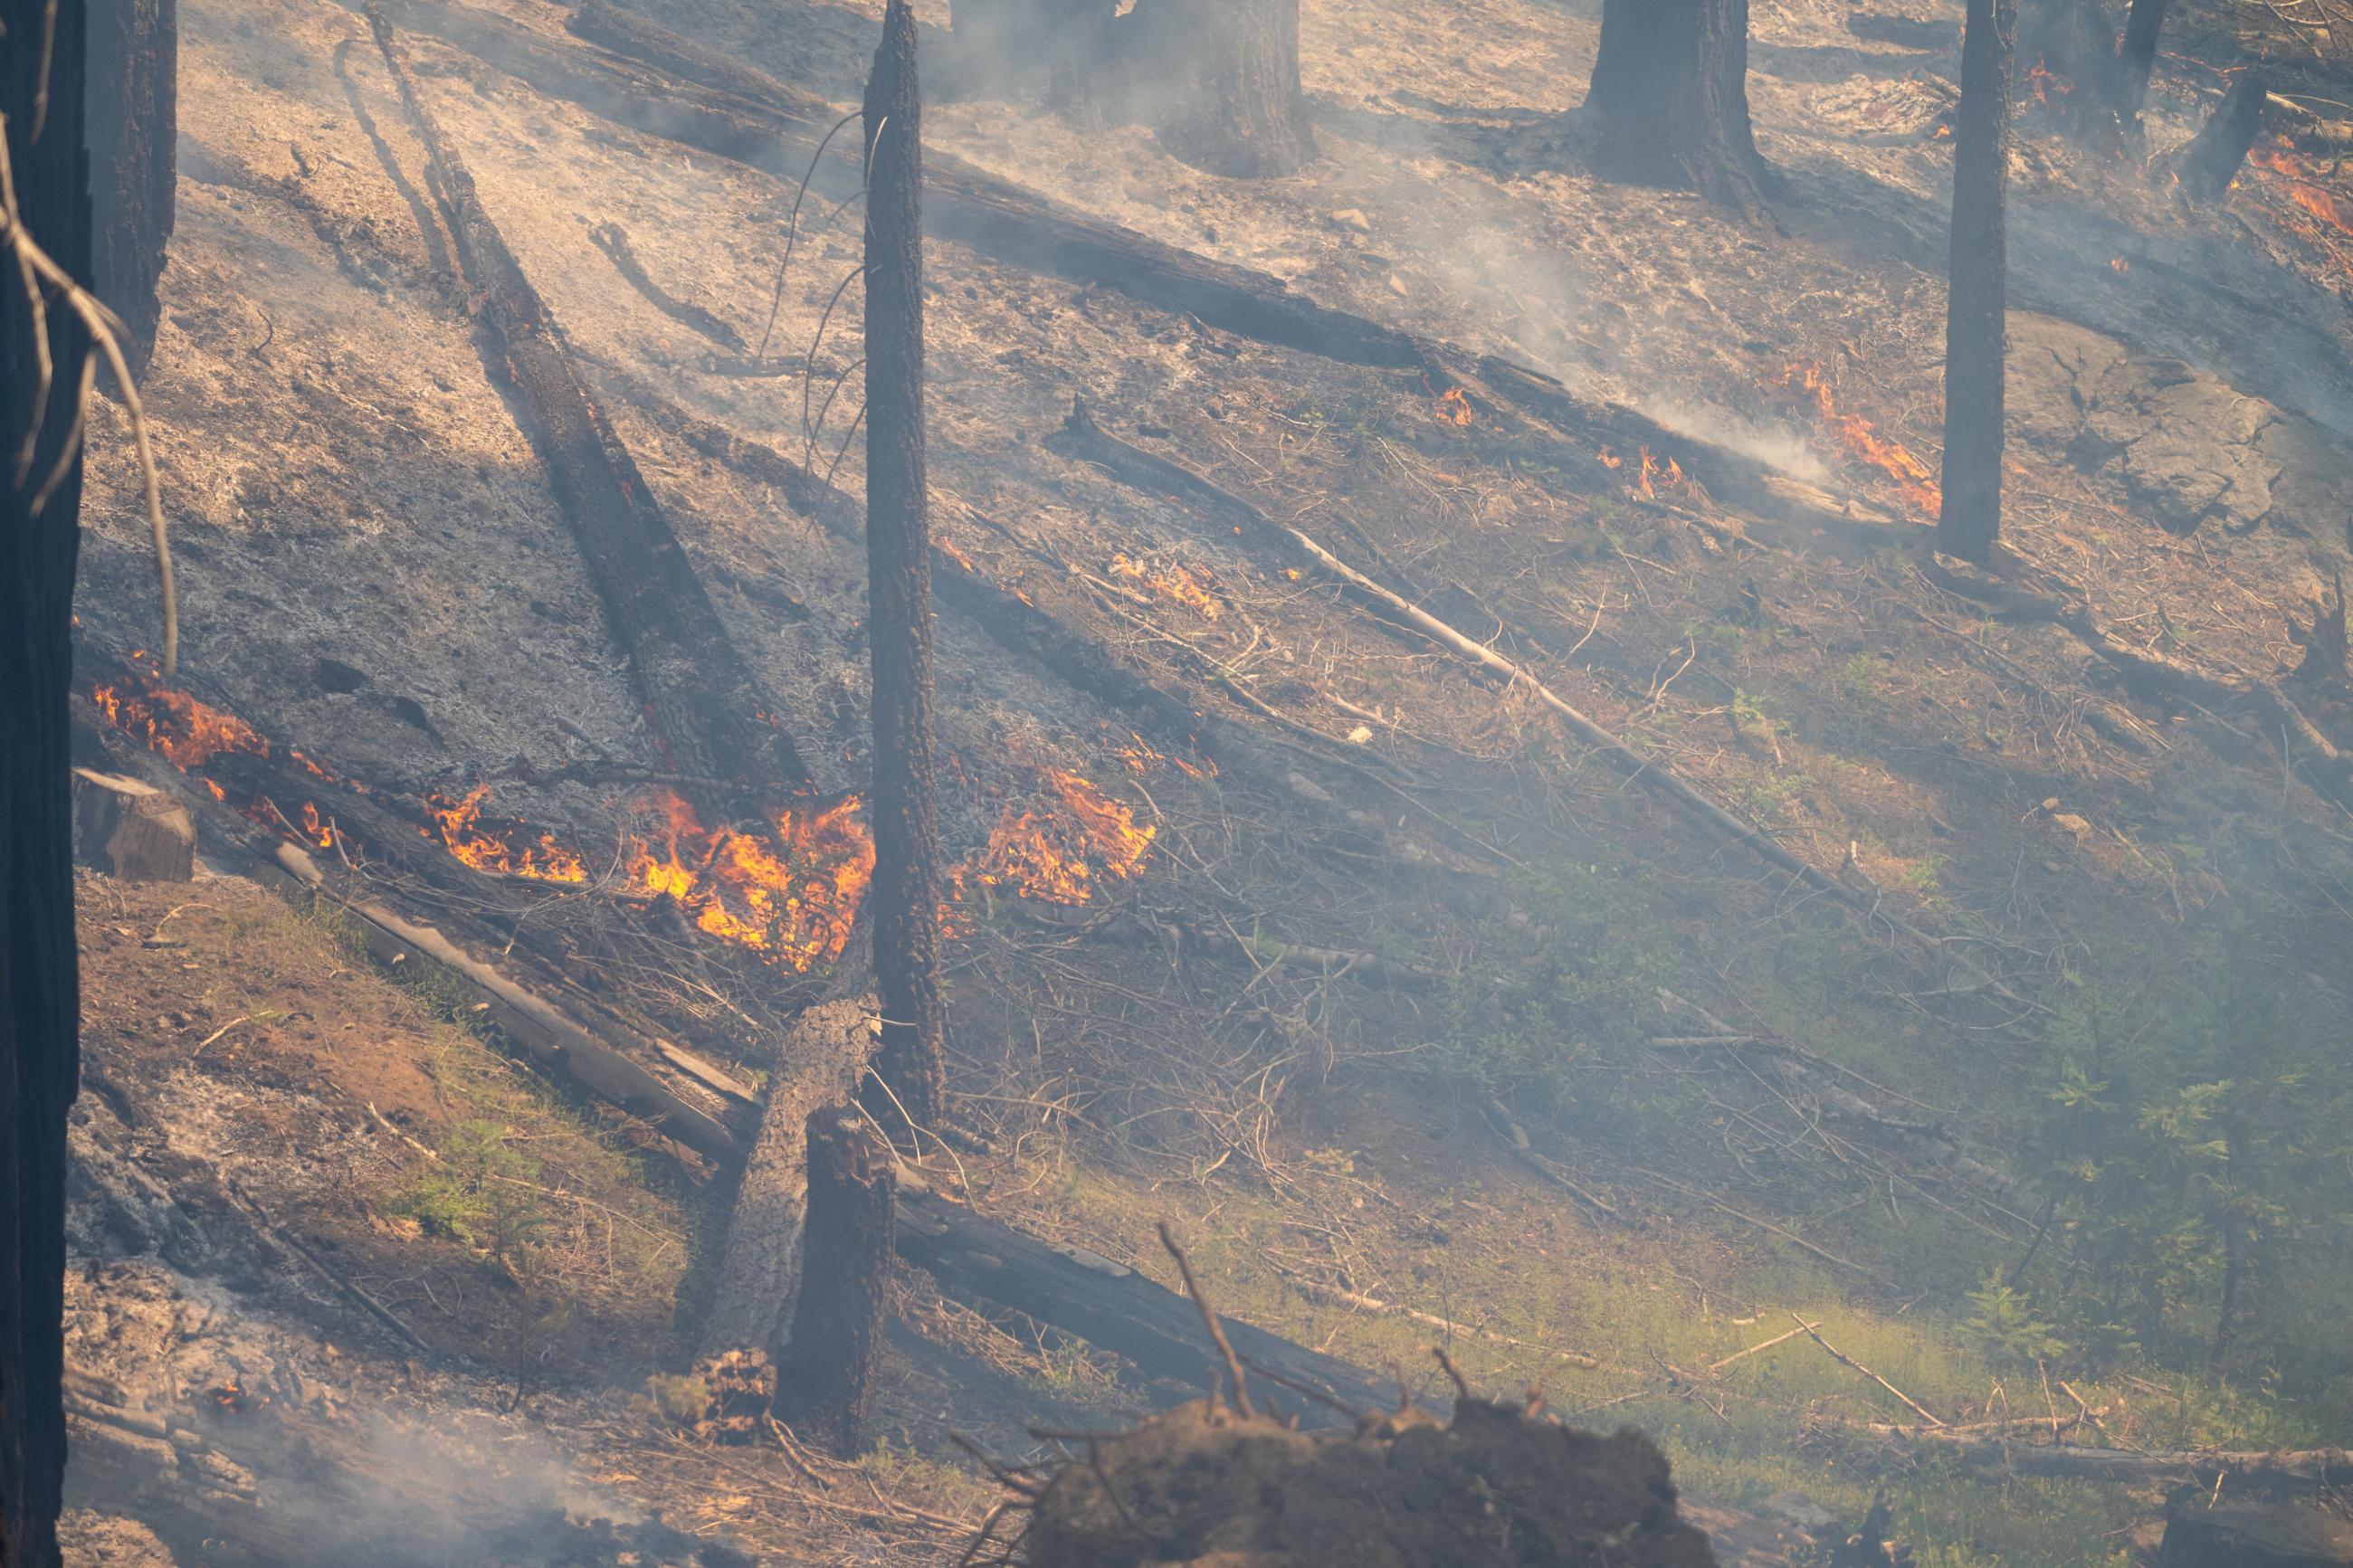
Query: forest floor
column 374, row 568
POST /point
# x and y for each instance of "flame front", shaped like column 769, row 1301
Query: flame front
column 1855, row 433
column 2320, row 215
column 173, row 725
column 493, row 846
column 1179, row 583
column 1061, row 854
column 790, row 894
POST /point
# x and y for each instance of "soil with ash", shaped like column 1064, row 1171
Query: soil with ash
column 1204, row 1485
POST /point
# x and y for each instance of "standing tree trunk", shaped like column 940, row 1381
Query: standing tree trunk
column 2138, row 59
column 41, row 102
column 1670, row 97
column 905, row 897
column 825, row 1373
column 2213, row 158
column 1975, row 332
column 1219, row 79
column 134, row 68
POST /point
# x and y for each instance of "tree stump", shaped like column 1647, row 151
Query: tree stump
column 131, row 830
column 2213, row 158
column 1669, row 99
column 825, row 1373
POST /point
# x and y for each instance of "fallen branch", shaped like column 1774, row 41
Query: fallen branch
column 350, row 1290
column 1847, row 1360
column 1333, row 1296
column 2291, row 1469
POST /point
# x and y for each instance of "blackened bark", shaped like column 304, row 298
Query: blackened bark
column 2213, row 157
column 1975, row 333
column 1669, row 99
column 1219, row 79
column 2137, row 59
column 134, row 65
column 905, row 897
column 39, row 1002
column 2067, row 49
column 824, row 1374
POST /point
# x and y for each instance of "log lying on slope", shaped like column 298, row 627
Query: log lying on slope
column 705, row 707
column 2287, row 1469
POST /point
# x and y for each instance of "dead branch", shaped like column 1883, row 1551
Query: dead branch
column 1208, row 1318
column 1849, row 1362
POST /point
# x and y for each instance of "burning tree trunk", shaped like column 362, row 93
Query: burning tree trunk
column 825, row 1374
column 1976, row 335
column 41, row 104
column 2211, row 160
column 1231, row 70
column 134, row 64
column 1669, row 93
column 2137, row 59
column 906, row 894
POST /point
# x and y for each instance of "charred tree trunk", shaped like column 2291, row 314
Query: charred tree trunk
column 819, row 1061
column 1670, row 94
column 905, row 893
column 41, row 100
column 824, row 1374
column 1975, row 333
column 2067, row 49
column 2211, row 160
column 134, row 118
column 1229, row 73
column 2136, row 60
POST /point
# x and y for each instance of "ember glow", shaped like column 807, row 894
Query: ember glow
column 171, row 724
column 1912, row 476
column 2049, row 88
column 1181, row 583
column 493, row 844
column 788, row 892
column 2318, row 215
column 1063, row 851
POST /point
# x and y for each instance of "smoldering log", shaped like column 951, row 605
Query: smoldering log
column 819, row 1060
column 699, row 697
column 2213, row 157
column 825, row 1373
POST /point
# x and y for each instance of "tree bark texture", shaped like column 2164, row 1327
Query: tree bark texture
column 2213, row 157
column 1219, row 79
column 135, row 66
column 905, row 892
column 1976, row 332
column 41, row 99
column 1670, row 95
column 2073, row 45
column 819, row 1063
column 2136, row 60
column 824, row 1374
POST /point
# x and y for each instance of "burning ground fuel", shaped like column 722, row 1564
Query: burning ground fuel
column 788, row 888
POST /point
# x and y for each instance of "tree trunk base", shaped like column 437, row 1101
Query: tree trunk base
column 824, row 1374
column 133, row 130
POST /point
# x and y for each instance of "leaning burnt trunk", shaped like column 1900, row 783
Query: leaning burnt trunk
column 2213, row 157
column 2136, row 59
column 41, row 102
column 1669, row 99
column 824, row 1374
column 1976, row 337
column 134, row 65
column 1219, row 79
column 904, row 897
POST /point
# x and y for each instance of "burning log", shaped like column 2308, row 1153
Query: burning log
column 133, row 830
column 825, row 1373
column 905, row 899
column 2211, row 160
column 819, row 1060
column 706, row 710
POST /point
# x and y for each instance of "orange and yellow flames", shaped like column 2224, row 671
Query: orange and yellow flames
column 491, row 845
column 2118, row 264
column 1451, row 407
column 790, row 893
column 1608, row 459
column 1912, row 476
column 1062, row 852
column 2049, row 88
column 1656, row 475
column 1179, row 582
column 173, row 725
column 2321, row 216
column 1141, row 759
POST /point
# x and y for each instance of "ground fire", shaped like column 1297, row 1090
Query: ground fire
column 1913, row 479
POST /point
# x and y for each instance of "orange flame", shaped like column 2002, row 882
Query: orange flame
column 2299, row 178
column 1060, row 854
column 1607, row 458
column 1179, row 583
column 1656, row 474
column 1452, row 407
column 1944, row 131
column 790, row 894
column 491, row 847
column 1912, row 476
column 173, row 725
column 2048, row 85
column 2119, row 264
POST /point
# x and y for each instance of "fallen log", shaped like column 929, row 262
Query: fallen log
column 2286, row 1468
column 819, row 1059
column 705, row 708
